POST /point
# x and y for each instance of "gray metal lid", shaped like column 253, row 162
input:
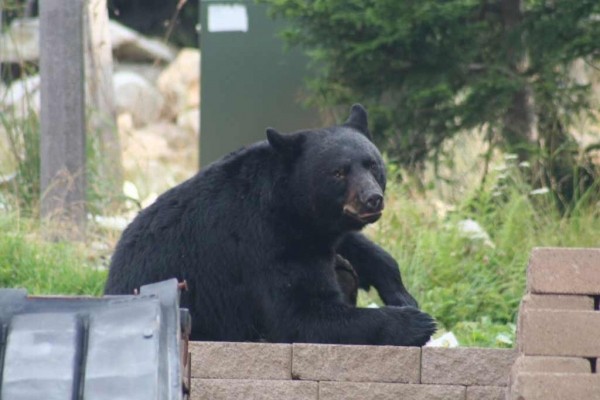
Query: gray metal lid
column 113, row 347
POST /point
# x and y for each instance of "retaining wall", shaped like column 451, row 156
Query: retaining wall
column 558, row 332
column 558, row 343
column 328, row 372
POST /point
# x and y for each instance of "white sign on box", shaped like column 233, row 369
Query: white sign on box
column 227, row 18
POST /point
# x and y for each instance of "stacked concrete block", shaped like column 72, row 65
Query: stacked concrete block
column 484, row 372
column 558, row 329
column 334, row 372
column 245, row 371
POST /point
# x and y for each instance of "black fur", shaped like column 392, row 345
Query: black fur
column 257, row 234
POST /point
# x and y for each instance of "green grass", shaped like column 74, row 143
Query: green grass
column 472, row 288
column 26, row 261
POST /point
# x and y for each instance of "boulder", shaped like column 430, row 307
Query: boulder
column 129, row 45
column 190, row 121
column 136, row 96
column 150, row 72
column 180, row 82
column 22, row 97
column 161, row 150
column 20, row 42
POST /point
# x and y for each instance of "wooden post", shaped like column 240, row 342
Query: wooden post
column 100, row 104
column 62, row 117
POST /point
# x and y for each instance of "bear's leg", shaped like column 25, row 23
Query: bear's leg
column 304, row 303
column 347, row 279
column 344, row 324
column 375, row 267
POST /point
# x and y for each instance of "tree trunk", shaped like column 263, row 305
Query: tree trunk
column 519, row 119
column 536, row 132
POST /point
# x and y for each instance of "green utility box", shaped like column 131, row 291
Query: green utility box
column 248, row 80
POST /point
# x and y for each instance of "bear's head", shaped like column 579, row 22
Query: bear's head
column 336, row 175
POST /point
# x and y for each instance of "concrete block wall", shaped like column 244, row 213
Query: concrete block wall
column 558, row 332
column 334, row 372
column 558, row 344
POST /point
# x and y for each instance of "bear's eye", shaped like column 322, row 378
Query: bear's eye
column 339, row 174
column 372, row 165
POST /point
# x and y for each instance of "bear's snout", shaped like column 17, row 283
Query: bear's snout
column 369, row 199
column 374, row 203
column 366, row 207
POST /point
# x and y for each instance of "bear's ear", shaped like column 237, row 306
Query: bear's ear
column 358, row 119
column 286, row 145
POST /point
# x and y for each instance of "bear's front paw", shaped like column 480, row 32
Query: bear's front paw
column 407, row 326
column 400, row 299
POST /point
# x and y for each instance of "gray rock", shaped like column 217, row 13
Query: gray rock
column 136, row 96
column 150, row 72
column 180, row 82
column 129, row 45
column 22, row 97
column 20, row 42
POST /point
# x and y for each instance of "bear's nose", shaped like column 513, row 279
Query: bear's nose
column 375, row 202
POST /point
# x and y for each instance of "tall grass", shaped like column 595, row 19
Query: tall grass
column 26, row 261
column 472, row 286
column 22, row 153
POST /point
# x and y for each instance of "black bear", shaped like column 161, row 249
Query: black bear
column 260, row 234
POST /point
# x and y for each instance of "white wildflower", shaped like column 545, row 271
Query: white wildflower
column 539, row 191
column 471, row 229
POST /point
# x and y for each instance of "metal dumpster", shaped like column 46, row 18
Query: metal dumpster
column 249, row 80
